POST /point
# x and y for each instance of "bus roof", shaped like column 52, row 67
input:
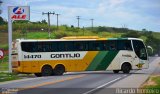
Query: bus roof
column 81, row 38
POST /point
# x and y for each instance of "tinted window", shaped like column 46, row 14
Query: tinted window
column 124, row 45
column 80, row 46
column 96, row 45
column 57, row 46
column 140, row 49
column 111, row 45
column 38, row 46
column 29, row 46
column 65, row 46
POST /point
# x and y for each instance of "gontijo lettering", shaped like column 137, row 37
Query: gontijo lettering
column 75, row 55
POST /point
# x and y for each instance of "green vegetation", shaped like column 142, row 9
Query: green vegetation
column 153, row 82
column 8, row 77
column 4, row 66
column 4, row 63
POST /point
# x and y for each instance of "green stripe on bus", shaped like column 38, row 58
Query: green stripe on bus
column 117, row 39
column 99, row 57
column 107, row 60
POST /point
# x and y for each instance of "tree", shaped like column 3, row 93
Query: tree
column 132, row 34
column 44, row 21
column 101, row 28
column 2, row 22
column 154, row 43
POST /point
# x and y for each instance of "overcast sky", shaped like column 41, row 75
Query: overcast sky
column 133, row 14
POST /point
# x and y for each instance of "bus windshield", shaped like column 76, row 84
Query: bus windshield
column 140, row 49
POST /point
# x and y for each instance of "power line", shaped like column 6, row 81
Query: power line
column 48, row 13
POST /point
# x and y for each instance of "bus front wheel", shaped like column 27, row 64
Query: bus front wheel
column 126, row 67
column 59, row 70
column 47, row 70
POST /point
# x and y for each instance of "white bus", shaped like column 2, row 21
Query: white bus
column 72, row 54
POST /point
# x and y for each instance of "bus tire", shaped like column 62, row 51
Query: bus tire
column 116, row 71
column 59, row 70
column 126, row 67
column 38, row 74
column 47, row 70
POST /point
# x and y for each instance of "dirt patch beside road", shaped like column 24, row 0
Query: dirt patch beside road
column 154, row 80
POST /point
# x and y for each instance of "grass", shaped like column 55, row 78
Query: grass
column 4, row 63
column 156, row 35
column 4, row 46
column 37, row 35
column 8, row 77
column 144, row 38
column 4, row 66
column 153, row 82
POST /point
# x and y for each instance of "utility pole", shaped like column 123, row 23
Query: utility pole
column 92, row 23
column 48, row 13
column 78, row 17
column 57, row 20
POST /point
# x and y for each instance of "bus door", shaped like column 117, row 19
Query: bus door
column 126, row 53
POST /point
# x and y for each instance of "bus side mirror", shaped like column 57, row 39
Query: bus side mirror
column 149, row 47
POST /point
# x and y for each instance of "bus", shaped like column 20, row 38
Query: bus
column 48, row 57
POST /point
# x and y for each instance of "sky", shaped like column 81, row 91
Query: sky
column 133, row 14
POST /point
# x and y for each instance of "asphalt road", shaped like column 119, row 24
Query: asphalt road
column 69, row 83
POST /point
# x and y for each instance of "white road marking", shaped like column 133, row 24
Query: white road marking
column 101, row 86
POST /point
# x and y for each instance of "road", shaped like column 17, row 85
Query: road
column 69, row 83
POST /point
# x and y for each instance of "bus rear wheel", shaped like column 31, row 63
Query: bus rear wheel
column 47, row 70
column 59, row 70
column 116, row 71
column 126, row 68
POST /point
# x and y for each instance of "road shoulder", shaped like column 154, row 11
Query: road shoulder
column 138, row 78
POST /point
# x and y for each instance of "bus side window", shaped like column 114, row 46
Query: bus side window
column 97, row 46
column 93, row 46
column 61, row 46
column 54, row 46
column 46, row 46
column 39, row 47
column 80, row 46
column 128, row 45
column 68, row 46
column 33, row 47
column 112, row 45
column 124, row 45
